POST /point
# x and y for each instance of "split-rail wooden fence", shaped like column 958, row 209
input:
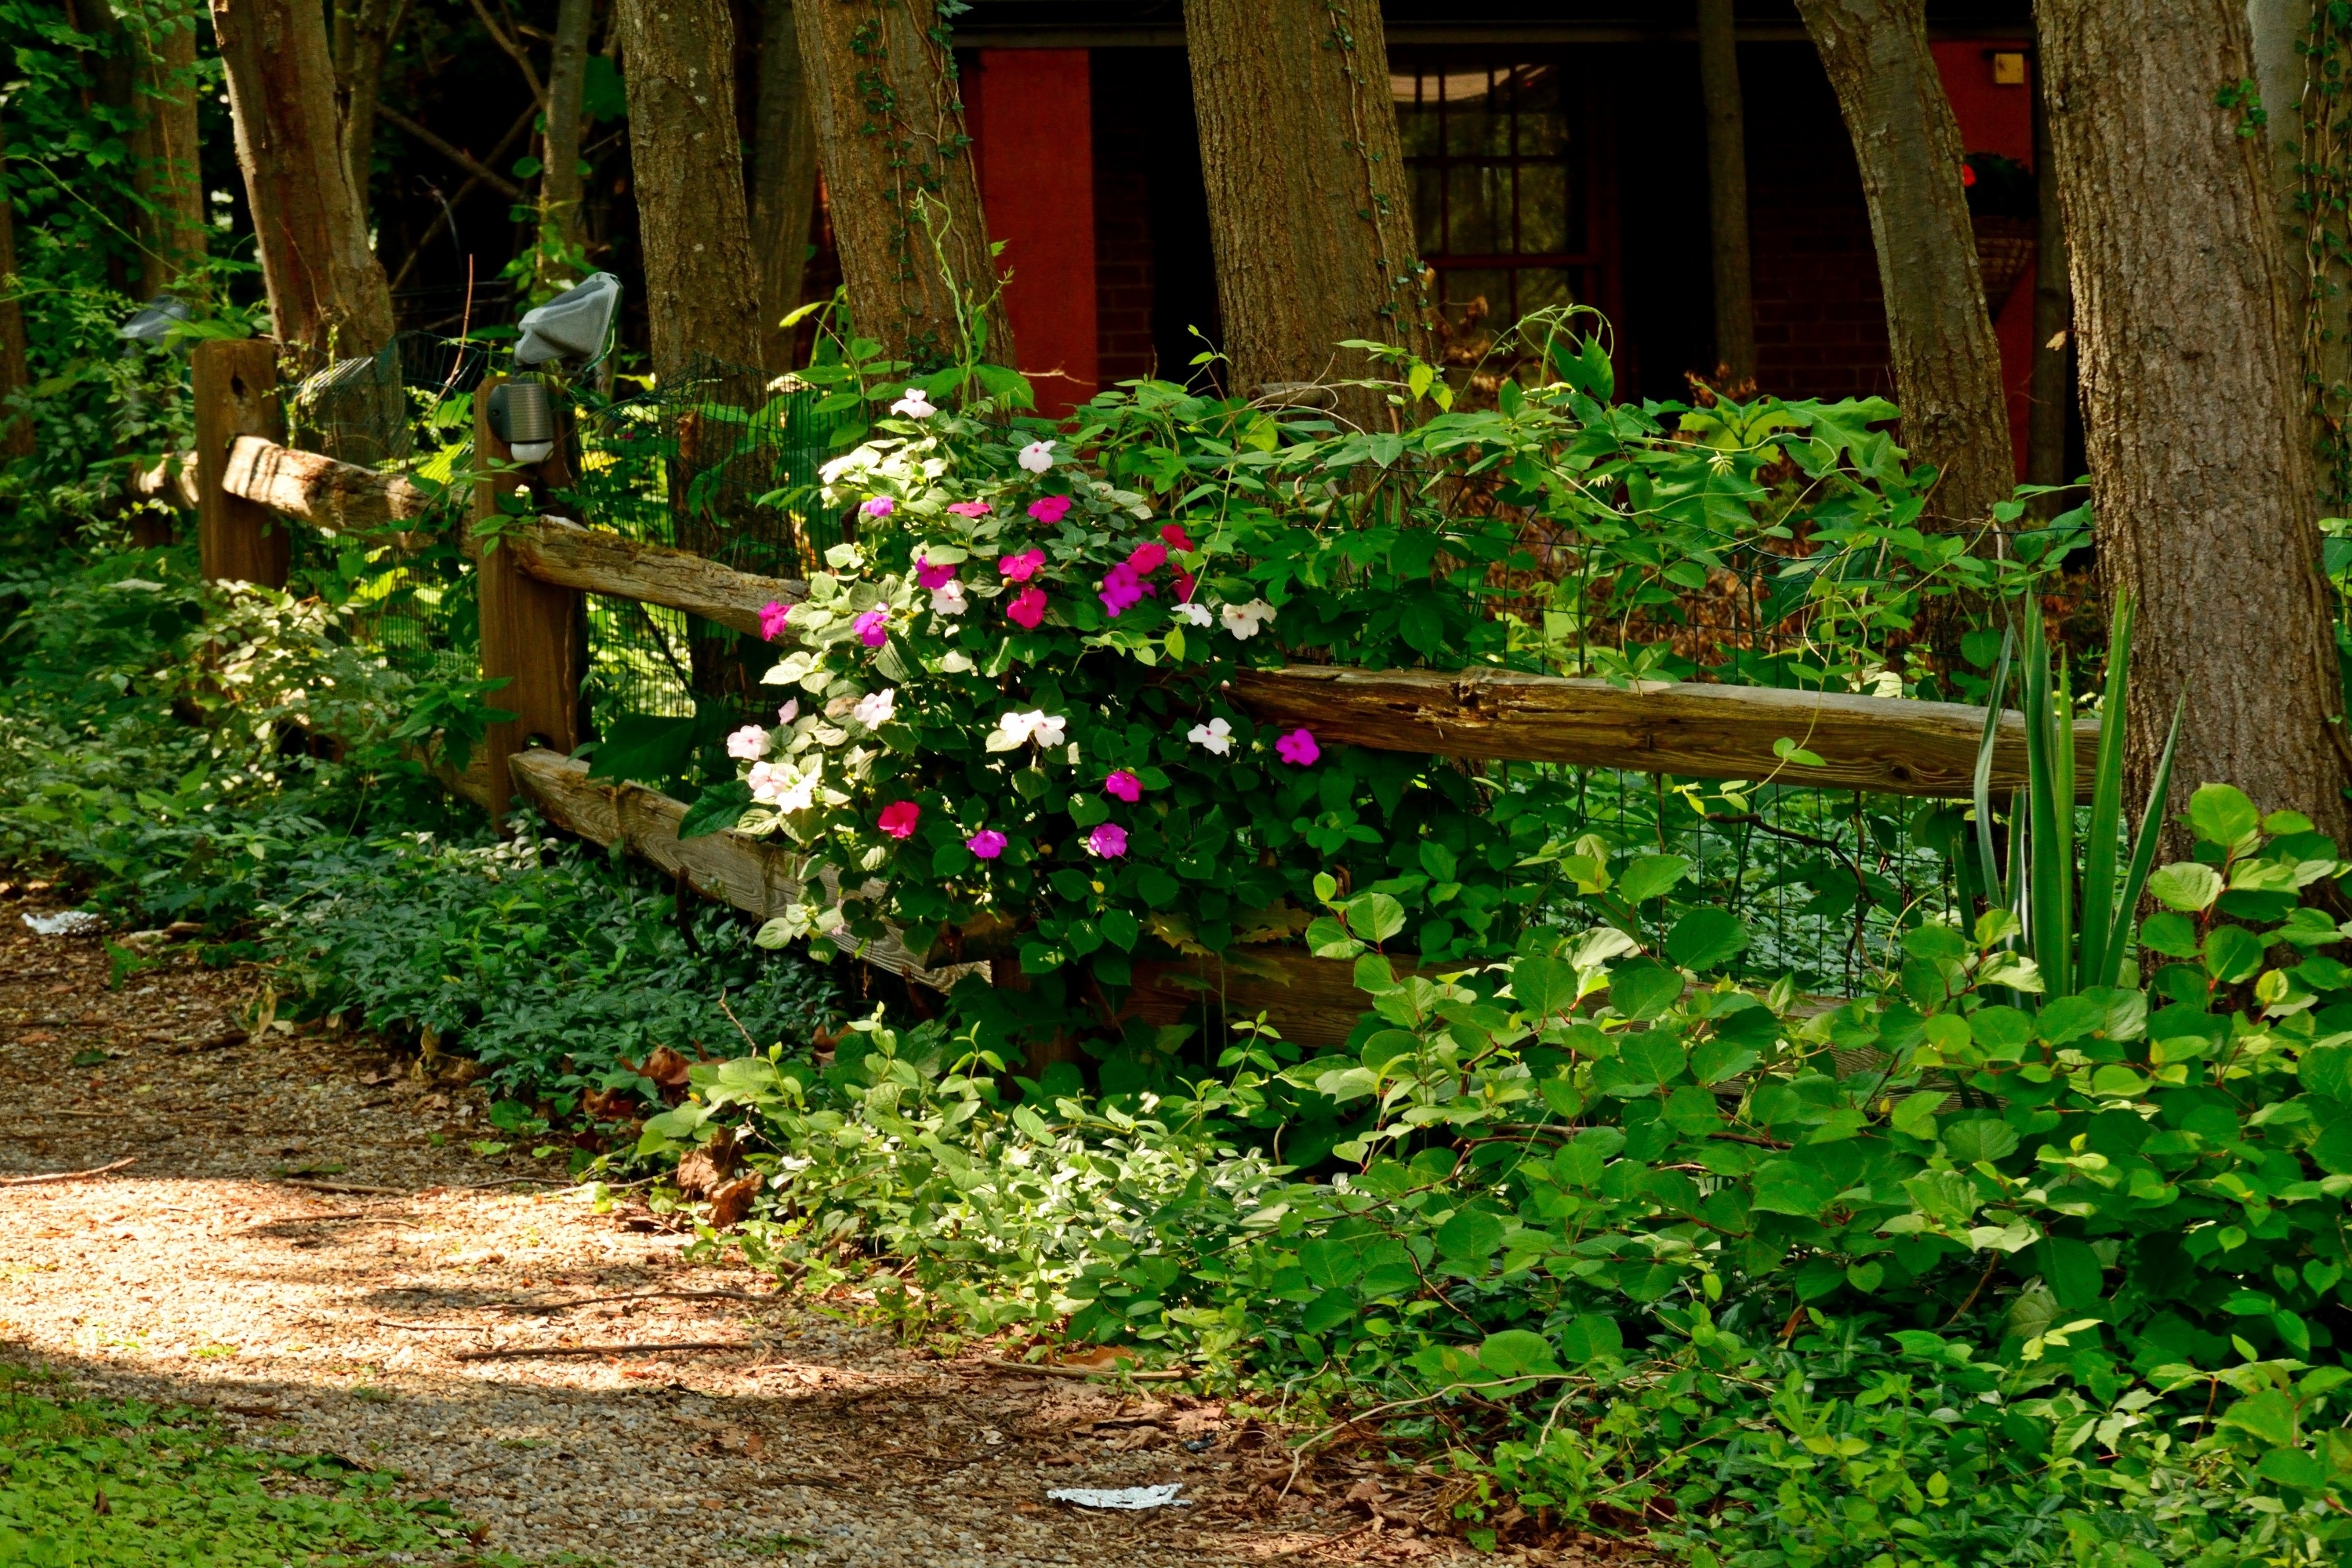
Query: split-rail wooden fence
column 530, row 589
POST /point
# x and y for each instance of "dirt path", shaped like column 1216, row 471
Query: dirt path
column 353, row 1322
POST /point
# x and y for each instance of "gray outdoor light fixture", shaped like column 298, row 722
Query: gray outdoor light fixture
column 576, row 324
column 152, row 323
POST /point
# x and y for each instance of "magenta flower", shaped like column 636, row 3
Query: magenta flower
column 1147, row 559
column 931, row 576
column 1108, row 840
column 898, row 818
column 1050, row 510
column 773, row 618
column 1125, row 785
column 879, row 507
column 1298, row 747
column 1173, row 535
column 1022, row 567
column 988, row 844
column 1027, row 609
column 1183, row 580
column 1121, row 588
column 873, row 627
column 968, row 508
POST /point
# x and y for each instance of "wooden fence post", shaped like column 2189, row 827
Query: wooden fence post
column 236, row 389
column 532, row 632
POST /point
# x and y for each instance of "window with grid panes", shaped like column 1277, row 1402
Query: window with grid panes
column 1499, row 157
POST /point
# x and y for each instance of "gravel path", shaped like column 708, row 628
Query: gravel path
column 356, row 1322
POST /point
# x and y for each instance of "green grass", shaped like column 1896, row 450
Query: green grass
column 126, row 1485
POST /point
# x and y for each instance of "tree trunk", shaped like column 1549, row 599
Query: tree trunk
column 905, row 197
column 2053, row 314
column 362, row 37
column 1726, row 190
column 1308, row 206
column 161, row 53
column 559, row 181
column 687, row 162
column 2201, row 464
column 1946, row 362
column 16, row 429
column 327, row 294
column 783, row 179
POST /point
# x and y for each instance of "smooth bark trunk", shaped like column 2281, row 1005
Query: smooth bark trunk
column 2201, row 464
column 1727, row 192
column 559, row 182
column 2053, row 315
column 1309, row 209
column 1947, row 362
column 362, row 37
column 327, row 294
column 783, row 180
column 16, row 429
column 687, row 162
column 889, row 113
column 162, row 58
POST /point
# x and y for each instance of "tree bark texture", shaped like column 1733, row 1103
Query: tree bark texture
column 362, row 35
column 1727, row 193
column 889, row 114
column 16, row 429
column 162, row 40
column 2201, row 464
column 783, row 179
column 2054, row 313
column 1947, row 362
column 560, row 185
column 327, row 292
column 1309, row 209
column 687, row 162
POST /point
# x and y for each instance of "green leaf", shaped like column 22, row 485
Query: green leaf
column 716, row 809
column 1578, row 1163
column 1642, row 989
column 2327, row 1069
column 2232, row 953
column 1471, row 1236
column 1330, row 1263
column 1647, row 876
column 1544, row 986
column 1915, row 1116
column 2175, row 935
column 1328, row 1311
column 1514, row 1352
column 2268, row 1416
column 1705, row 939
column 1711, row 1061
column 2297, row 1468
column 1326, row 938
column 1784, row 1186
column 2219, row 814
column 1656, row 1057
column 1375, row 917
column 2071, row 1270
column 2186, row 886
column 1976, row 1138
column 1589, row 1337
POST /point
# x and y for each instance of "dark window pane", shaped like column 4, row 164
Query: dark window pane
column 1429, row 208
column 1542, row 287
column 1542, row 112
column 1479, row 204
column 1543, row 208
column 1461, row 286
column 1471, row 124
column 1416, row 112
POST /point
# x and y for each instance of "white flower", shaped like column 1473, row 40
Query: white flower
column 1245, row 621
column 1037, row 457
column 774, row 783
column 874, row 709
column 1019, row 729
column 914, row 406
column 1047, row 732
column 1216, row 735
column 947, row 599
column 1196, row 614
column 788, row 711
column 747, row 743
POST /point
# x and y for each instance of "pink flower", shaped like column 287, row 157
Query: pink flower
column 988, row 844
column 873, row 627
column 773, row 618
column 1298, row 747
column 1050, row 510
column 1121, row 588
column 1108, row 840
column 898, row 818
column 1173, row 535
column 1147, row 559
column 1028, row 608
column 1183, row 580
column 1125, row 785
column 1022, row 567
column 968, row 508
column 880, row 506
column 931, row 576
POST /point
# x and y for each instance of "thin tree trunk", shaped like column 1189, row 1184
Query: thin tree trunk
column 2201, row 463
column 170, row 177
column 327, row 294
column 2054, row 313
column 783, row 179
column 560, row 181
column 362, row 37
column 1309, row 206
column 1947, row 362
column 687, row 161
column 889, row 113
column 1726, row 190
column 16, row 429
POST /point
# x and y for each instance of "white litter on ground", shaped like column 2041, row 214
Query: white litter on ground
column 1123, row 1497
column 67, row 923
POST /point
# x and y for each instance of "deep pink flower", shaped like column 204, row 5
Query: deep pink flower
column 880, row 506
column 988, row 844
column 1125, row 785
column 1108, row 840
column 873, row 627
column 1121, row 587
column 1022, row 567
column 1147, row 559
column 1173, row 535
column 968, row 508
column 1298, row 747
column 773, row 618
column 1050, row 510
column 1183, row 580
column 1028, row 609
column 931, row 576
column 898, row 818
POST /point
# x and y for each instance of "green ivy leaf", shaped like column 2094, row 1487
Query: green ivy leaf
column 1589, row 1338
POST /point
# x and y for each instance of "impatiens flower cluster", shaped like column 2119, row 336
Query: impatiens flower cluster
column 879, row 507
column 1246, row 621
column 947, row 599
column 773, row 618
column 1122, row 586
column 931, row 576
column 968, row 508
column 898, row 818
column 781, row 785
column 1050, row 510
column 873, row 627
column 1028, row 609
column 1108, row 840
column 1022, row 567
column 1298, row 747
column 876, row 708
column 747, row 743
column 914, row 406
column 1037, row 457
column 1016, row 729
column 988, row 844
column 1124, row 785
column 1216, row 735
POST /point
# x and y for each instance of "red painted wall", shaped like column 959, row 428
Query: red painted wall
column 1031, row 117
column 1998, row 119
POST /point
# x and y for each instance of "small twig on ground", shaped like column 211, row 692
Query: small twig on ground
column 635, row 1296
column 510, row 1352
column 66, row 1176
column 337, row 1186
column 997, row 1363
column 433, row 1328
column 93, row 1115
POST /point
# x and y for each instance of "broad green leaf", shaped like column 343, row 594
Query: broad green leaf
column 1589, row 1337
column 1375, row 917
column 2071, row 1270
column 1544, row 986
column 1784, row 1186
column 2232, row 953
column 1705, row 939
column 2269, row 1416
column 2186, row 886
column 1330, row 1263
column 1657, row 1058
column 1328, row 1311
column 1915, row 1116
column 2219, row 814
column 2326, row 1068
column 1471, row 1236
column 1711, row 1061
column 1649, row 876
column 1514, row 1352
column 1642, row 991
column 1976, row 1138
column 1578, row 1163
